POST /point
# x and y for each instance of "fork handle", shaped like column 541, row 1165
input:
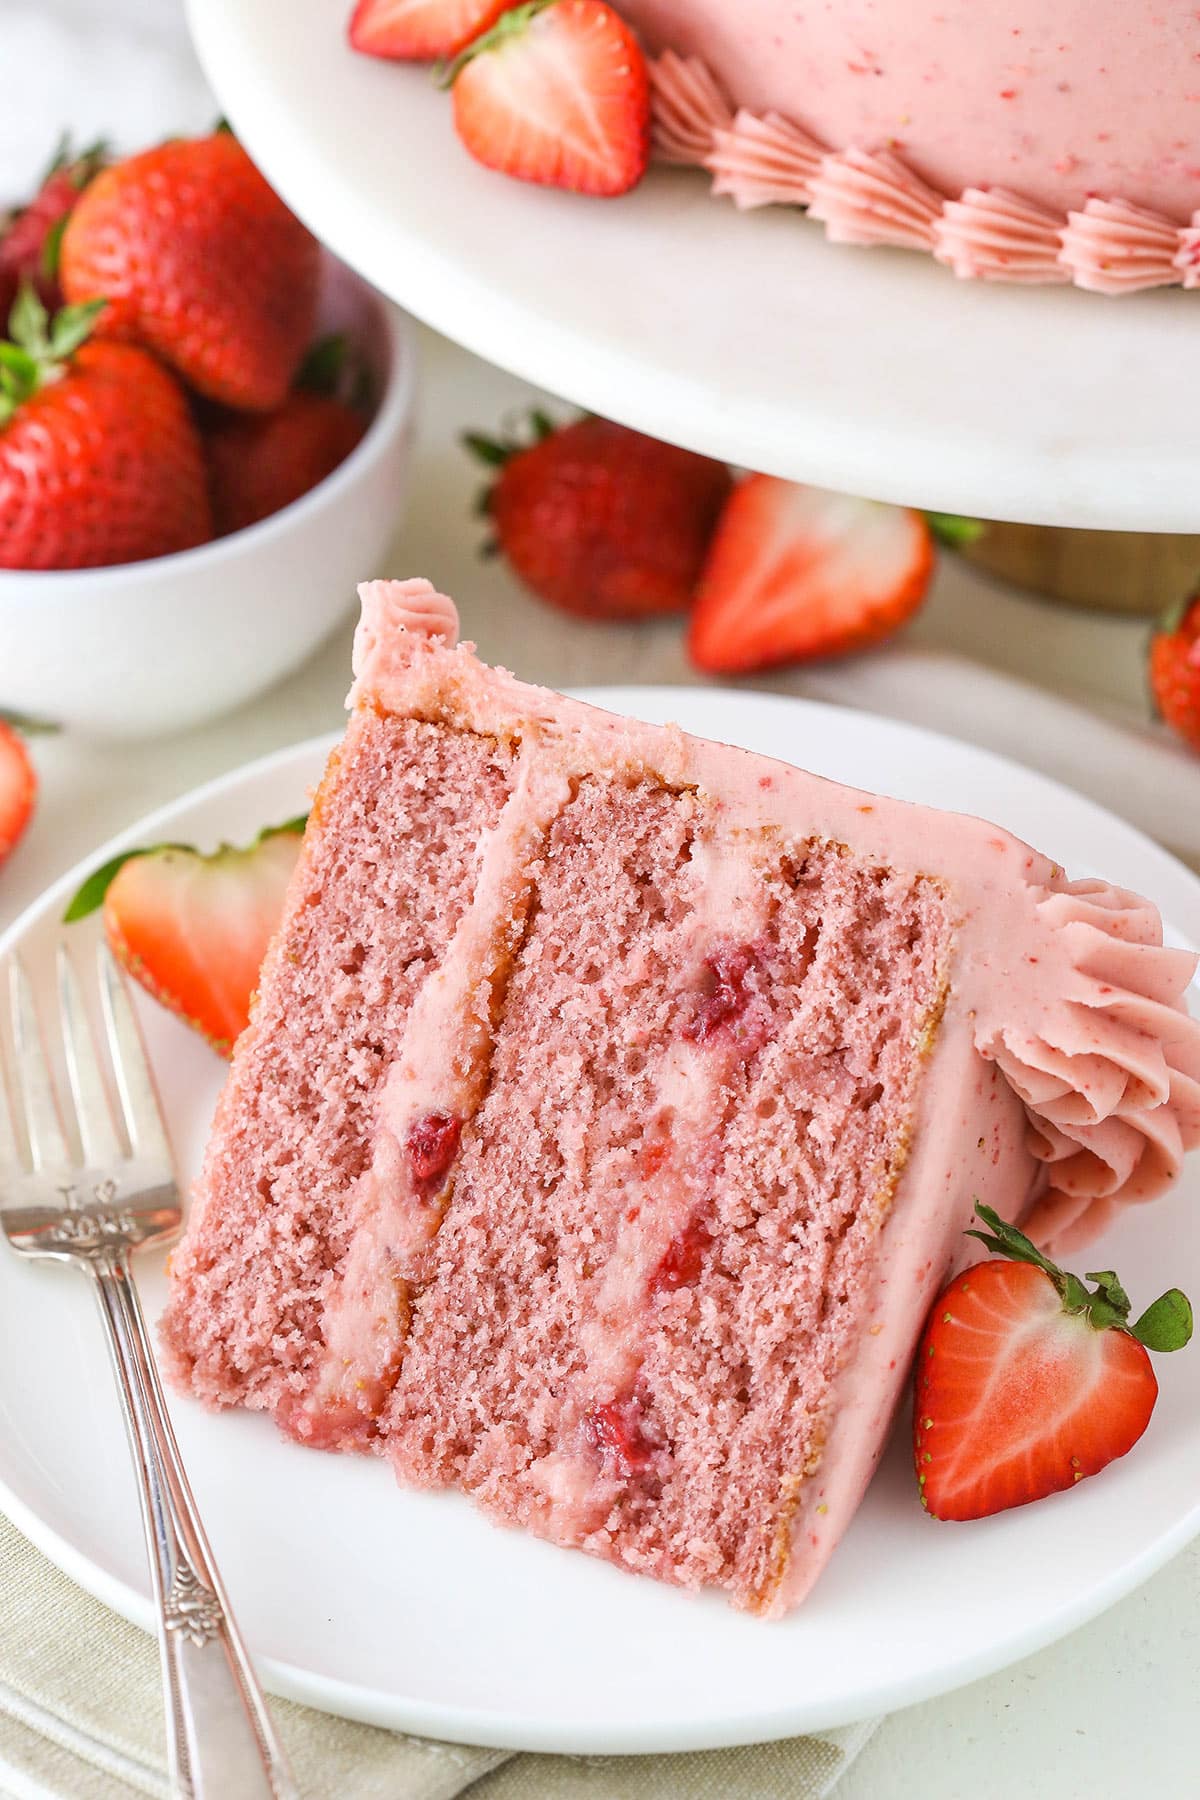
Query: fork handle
column 221, row 1744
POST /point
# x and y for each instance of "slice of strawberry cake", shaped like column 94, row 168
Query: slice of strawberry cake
column 615, row 1102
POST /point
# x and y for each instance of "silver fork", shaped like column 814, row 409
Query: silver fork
column 78, row 1185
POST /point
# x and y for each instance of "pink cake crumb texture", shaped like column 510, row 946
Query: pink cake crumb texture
column 615, row 1103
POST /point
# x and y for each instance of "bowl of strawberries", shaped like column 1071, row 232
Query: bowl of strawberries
column 204, row 433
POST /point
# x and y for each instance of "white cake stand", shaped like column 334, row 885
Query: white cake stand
column 744, row 335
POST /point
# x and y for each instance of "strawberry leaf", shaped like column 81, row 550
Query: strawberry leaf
column 322, row 368
column 71, row 325
column 487, row 450
column 28, row 323
column 1167, row 1324
column 27, row 726
column 952, row 531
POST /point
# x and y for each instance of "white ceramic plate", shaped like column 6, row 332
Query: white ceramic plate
column 410, row 1610
column 744, row 335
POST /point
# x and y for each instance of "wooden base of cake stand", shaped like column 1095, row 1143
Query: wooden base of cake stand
column 1111, row 571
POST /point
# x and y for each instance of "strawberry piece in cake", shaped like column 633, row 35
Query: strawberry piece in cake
column 615, row 1102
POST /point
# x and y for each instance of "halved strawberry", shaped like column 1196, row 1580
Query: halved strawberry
column 1026, row 1381
column 557, row 92
column 193, row 929
column 420, row 30
column 795, row 572
column 18, row 788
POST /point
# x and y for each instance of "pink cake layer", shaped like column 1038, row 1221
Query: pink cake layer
column 615, row 1102
column 1018, row 142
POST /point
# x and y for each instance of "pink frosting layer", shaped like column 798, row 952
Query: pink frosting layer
column 866, row 198
column 992, row 235
column 1114, row 248
column 763, row 162
column 688, row 109
column 868, row 194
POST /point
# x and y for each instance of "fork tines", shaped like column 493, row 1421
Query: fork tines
column 46, row 1132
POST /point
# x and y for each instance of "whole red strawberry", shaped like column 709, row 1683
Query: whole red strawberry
column 603, row 521
column 1027, row 1381
column 100, row 462
column 1175, row 670
column 202, row 263
column 29, row 238
column 557, row 92
column 261, row 462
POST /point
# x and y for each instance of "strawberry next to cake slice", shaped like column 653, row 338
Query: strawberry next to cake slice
column 615, row 1102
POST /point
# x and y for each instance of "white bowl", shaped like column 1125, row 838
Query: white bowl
column 152, row 647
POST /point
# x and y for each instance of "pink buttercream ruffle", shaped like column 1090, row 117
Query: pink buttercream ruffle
column 990, row 234
column 1110, row 1075
column 1187, row 255
column 1112, row 247
column 392, row 608
column 870, row 197
column 687, row 109
column 764, row 161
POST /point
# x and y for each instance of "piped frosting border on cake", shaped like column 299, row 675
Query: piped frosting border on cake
column 869, row 196
column 1074, row 997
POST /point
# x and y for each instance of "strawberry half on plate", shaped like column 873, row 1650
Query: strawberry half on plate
column 193, row 929
column 1027, row 1381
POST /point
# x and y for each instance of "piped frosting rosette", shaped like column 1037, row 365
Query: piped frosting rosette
column 1109, row 1067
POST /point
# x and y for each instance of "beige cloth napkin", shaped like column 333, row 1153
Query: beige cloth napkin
column 81, row 1719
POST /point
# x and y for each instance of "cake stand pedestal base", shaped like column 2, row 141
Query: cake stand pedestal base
column 1110, row 571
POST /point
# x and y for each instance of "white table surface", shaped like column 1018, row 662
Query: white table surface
column 1113, row 1708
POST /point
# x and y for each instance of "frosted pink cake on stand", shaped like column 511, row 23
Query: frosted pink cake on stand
column 615, row 1102
column 1015, row 140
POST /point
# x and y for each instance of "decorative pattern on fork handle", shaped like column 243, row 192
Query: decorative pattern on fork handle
column 192, row 1608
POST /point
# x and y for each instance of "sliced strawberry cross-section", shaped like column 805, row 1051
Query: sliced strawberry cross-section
column 1027, row 1381
column 557, row 92
column 795, row 572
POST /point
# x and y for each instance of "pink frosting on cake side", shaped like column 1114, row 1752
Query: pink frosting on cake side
column 866, row 197
column 1114, row 248
column 688, row 109
column 1056, row 102
column 877, row 189
column 763, row 162
column 989, row 234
